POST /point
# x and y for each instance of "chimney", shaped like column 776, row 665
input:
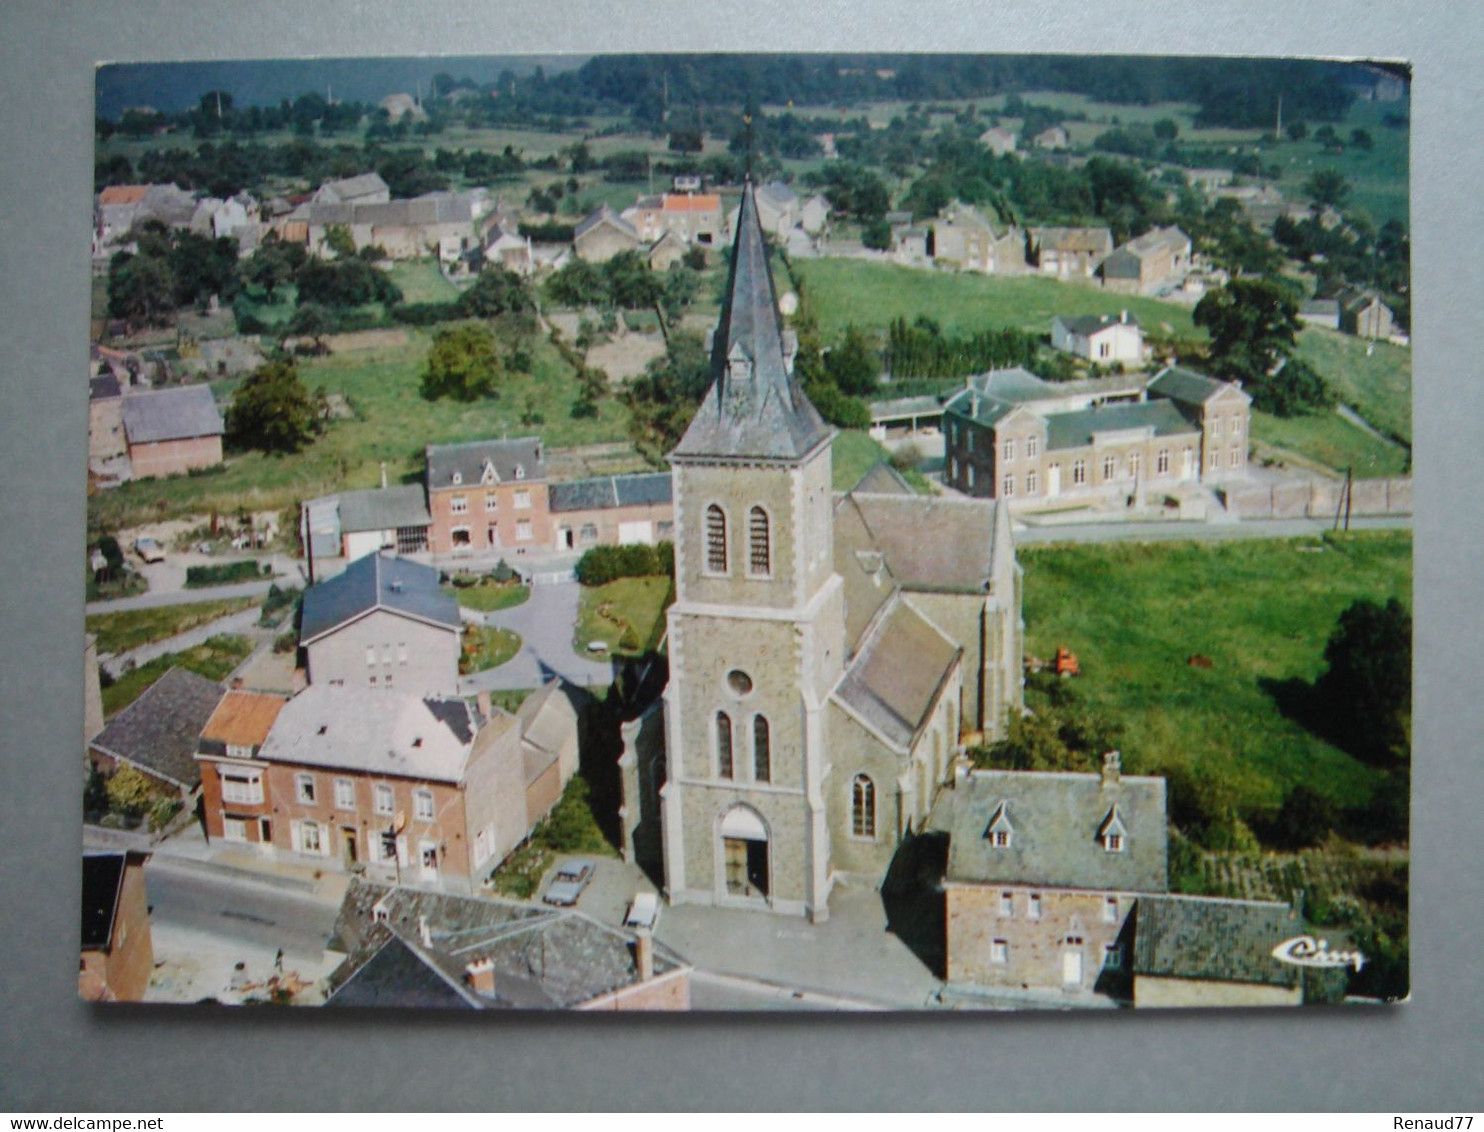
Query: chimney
column 1112, row 768
column 644, row 954
column 480, row 975
column 424, row 931
column 383, row 475
column 482, row 700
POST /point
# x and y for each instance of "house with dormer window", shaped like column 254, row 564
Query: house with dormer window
column 1044, row 873
column 488, row 496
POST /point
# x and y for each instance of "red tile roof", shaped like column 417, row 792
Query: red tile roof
column 122, row 194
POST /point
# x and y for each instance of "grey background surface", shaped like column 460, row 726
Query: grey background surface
column 56, row 1055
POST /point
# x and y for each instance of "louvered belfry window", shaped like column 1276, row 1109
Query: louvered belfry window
column 762, row 749
column 761, row 553
column 716, row 540
column 723, row 745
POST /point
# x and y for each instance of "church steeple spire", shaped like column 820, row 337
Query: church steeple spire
column 754, row 406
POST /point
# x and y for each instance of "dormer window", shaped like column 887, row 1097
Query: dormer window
column 1112, row 833
column 1000, row 833
column 489, row 475
column 520, row 471
column 458, row 478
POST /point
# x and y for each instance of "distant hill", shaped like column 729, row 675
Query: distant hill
column 171, row 87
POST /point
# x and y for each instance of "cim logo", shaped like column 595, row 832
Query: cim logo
column 1306, row 951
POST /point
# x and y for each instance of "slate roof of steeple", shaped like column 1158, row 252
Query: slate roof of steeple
column 759, row 413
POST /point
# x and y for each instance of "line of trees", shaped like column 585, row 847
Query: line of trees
column 921, row 349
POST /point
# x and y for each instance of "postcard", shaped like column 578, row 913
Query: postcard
column 749, row 532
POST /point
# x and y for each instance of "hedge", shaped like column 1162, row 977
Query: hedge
column 226, row 573
column 604, row 564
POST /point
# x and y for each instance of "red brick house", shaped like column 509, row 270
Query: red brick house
column 488, row 495
column 117, row 953
column 171, row 431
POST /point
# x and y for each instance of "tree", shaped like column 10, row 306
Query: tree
column 1166, row 129
column 854, row 366
column 130, row 791
column 339, row 240
column 270, row 267
column 1367, row 686
column 312, row 321
column 1305, row 818
column 1327, row 188
column 463, row 364
column 273, row 411
column 876, row 234
column 141, row 288
column 1254, row 326
column 1360, row 139
column 1298, row 131
column 496, row 292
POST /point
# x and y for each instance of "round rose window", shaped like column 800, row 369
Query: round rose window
column 739, row 682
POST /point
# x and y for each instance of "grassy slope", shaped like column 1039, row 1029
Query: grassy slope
column 119, row 632
column 636, row 602
column 843, row 291
column 1330, row 440
column 393, row 424
column 214, row 660
column 1265, row 610
column 1378, row 385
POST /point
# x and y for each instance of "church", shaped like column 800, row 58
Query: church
column 827, row 651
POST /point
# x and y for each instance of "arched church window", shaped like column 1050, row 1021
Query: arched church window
column 762, row 749
column 723, row 745
column 716, row 540
column 863, row 807
column 760, row 550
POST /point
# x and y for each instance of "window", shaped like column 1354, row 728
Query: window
column 716, row 540
column 242, row 786
column 309, row 839
column 520, row 474
column 1113, row 843
column 999, row 839
column 233, row 829
column 1032, row 447
column 1079, row 471
column 458, row 505
column 238, row 751
column 1110, row 910
column 457, row 477
column 1007, row 487
column 1162, row 462
column 1104, row 349
column 1236, row 457
column 970, row 474
column 1110, row 467
column 999, row 951
column 759, row 554
column 386, row 654
column 1007, row 905
column 863, row 807
column 739, row 682
column 422, row 804
column 1009, row 450
column 1216, row 427
column 345, row 794
column 723, row 745
column 491, row 501
column 954, row 467
column 370, row 656
column 1236, row 427
column 1033, row 906
column 522, row 500
column 1133, row 465
column 383, row 798
column 1032, row 483
column 1215, row 461
column 589, row 533
column 482, row 843
column 523, row 530
column 401, row 652
column 304, row 787
column 1112, row 957
column 762, row 749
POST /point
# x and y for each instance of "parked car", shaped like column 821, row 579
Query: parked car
column 149, row 549
column 644, row 912
column 568, row 882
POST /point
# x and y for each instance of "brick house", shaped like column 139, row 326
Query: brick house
column 406, row 947
column 157, row 734
column 117, row 952
column 423, row 789
column 601, row 235
column 488, row 495
column 613, row 511
column 382, row 623
column 171, row 431
column 1010, row 435
column 1103, row 339
column 1043, row 873
column 1149, row 264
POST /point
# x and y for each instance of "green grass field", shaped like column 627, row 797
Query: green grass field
column 606, row 613
column 489, row 596
column 844, row 291
column 1378, row 384
column 392, row 423
column 214, row 660
column 485, row 648
column 120, row 632
column 1328, row 439
column 1262, row 610
column 420, row 281
column 1379, row 179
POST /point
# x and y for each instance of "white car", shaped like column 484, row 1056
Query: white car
column 149, row 550
column 644, row 912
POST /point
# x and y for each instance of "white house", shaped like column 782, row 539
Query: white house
column 1101, row 338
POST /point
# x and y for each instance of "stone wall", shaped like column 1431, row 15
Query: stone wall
column 1318, row 499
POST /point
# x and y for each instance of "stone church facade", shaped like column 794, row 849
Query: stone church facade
column 826, row 651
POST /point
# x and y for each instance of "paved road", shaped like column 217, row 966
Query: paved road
column 1151, row 532
column 168, row 587
column 544, row 623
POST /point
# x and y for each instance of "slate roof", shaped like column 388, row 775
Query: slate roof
column 1229, row 941
column 1073, row 239
column 376, row 581
column 374, row 731
column 1075, row 430
column 883, row 479
column 1185, row 385
column 604, row 215
column 383, row 508
column 103, row 387
column 778, row 195
column 938, row 544
column 543, row 958
column 1055, row 820
column 349, row 188
column 1158, row 239
column 521, row 458
column 604, row 492
column 905, row 406
column 159, row 731
column 181, row 413
column 761, row 412
column 1086, row 325
column 893, row 696
column 102, row 885
column 1326, row 308
column 548, row 719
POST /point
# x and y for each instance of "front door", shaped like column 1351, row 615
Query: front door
column 735, row 851
column 428, row 857
column 348, row 845
column 1053, row 480
column 1071, row 967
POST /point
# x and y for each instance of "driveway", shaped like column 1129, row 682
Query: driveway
column 545, row 623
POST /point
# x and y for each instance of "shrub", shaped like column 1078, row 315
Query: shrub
column 604, row 564
column 225, row 573
column 130, row 791
column 502, row 572
column 424, row 314
column 161, row 810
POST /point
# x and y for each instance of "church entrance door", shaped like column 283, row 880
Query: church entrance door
column 746, row 867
